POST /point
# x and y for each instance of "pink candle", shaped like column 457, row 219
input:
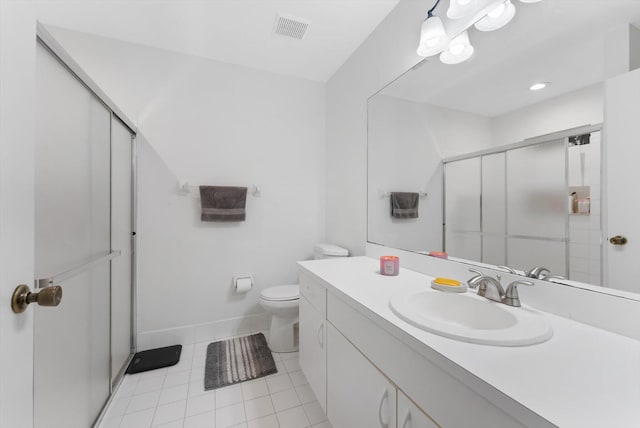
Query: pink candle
column 389, row 265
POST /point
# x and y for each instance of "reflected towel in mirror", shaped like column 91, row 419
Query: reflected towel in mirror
column 404, row 204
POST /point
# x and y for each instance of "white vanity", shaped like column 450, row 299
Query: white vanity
column 369, row 368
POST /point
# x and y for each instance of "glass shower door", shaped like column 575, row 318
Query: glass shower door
column 537, row 207
column 72, row 341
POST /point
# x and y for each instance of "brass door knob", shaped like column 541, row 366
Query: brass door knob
column 22, row 297
column 618, row 240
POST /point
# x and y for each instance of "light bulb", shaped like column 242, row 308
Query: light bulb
column 433, row 38
column 498, row 17
column 456, row 49
column 497, row 11
column 460, row 8
column 459, row 50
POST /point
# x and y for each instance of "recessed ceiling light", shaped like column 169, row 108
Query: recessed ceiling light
column 538, row 86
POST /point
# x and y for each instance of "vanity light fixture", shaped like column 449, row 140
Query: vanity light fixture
column 459, row 50
column 538, row 86
column 433, row 38
column 498, row 17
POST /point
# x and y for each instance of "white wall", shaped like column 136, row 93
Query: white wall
column 406, row 141
column 388, row 52
column 219, row 124
column 582, row 107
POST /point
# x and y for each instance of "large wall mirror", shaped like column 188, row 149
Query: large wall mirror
column 503, row 175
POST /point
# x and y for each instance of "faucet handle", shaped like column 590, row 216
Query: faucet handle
column 508, row 269
column 511, row 296
column 471, row 282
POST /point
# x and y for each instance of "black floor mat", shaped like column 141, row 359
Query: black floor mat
column 155, row 359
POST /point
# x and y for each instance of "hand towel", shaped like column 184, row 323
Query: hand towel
column 404, row 204
column 223, row 203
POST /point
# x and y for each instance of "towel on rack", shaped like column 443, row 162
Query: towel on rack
column 223, row 203
column 404, row 204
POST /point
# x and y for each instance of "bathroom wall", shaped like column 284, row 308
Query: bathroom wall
column 578, row 108
column 406, row 144
column 387, row 52
column 213, row 123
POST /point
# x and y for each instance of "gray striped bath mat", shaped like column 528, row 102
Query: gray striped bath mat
column 236, row 360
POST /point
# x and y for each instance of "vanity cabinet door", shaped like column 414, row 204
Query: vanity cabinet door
column 410, row 416
column 312, row 350
column 358, row 395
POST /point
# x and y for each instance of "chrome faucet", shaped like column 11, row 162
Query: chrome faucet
column 487, row 286
column 491, row 288
column 538, row 272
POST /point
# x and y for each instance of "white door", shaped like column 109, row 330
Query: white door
column 621, row 201
column 17, row 137
column 358, row 395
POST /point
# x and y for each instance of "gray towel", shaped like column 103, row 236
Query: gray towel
column 223, row 203
column 404, row 204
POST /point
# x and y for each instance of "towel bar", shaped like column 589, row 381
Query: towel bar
column 184, row 188
column 388, row 194
column 71, row 272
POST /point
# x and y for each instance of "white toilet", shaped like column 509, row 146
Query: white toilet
column 282, row 302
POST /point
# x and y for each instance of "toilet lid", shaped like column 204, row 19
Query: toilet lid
column 281, row 292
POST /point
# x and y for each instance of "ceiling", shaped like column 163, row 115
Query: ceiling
column 233, row 31
column 557, row 41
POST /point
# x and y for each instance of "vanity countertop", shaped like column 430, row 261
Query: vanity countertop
column 582, row 377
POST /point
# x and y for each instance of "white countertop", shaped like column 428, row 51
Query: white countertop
column 582, row 377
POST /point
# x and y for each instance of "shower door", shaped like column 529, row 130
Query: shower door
column 73, row 368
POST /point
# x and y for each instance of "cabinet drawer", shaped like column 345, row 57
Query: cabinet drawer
column 314, row 292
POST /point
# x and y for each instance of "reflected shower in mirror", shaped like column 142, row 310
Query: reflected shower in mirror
column 512, row 176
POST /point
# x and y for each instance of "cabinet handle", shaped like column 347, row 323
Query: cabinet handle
column 383, row 424
column 406, row 419
column 320, row 335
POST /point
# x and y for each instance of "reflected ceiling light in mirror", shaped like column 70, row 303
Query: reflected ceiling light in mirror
column 433, row 38
column 459, row 50
column 497, row 17
column 538, row 86
column 460, row 8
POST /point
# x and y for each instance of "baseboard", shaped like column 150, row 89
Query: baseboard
column 206, row 332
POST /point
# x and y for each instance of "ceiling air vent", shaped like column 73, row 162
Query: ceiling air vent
column 290, row 26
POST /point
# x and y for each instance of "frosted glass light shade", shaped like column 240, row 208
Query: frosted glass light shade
column 433, row 38
column 460, row 8
column 459, row 50
column 529, row 1
column 498, row 17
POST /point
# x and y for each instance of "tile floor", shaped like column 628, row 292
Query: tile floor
column 174, row 397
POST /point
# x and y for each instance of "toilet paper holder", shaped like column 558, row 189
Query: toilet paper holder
column 242, row 283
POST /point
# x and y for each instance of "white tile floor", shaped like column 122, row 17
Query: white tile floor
column 174, row 397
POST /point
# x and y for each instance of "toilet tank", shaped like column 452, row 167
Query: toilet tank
column 329, row 251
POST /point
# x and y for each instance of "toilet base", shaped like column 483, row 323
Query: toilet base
column 283, row 334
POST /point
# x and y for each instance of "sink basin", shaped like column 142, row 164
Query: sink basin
column 471, row 318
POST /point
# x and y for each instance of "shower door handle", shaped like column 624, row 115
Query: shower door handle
column 22, row 297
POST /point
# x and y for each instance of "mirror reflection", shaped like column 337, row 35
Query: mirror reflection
column 475, row 161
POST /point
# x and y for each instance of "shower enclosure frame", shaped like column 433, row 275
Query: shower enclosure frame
column 46, row 40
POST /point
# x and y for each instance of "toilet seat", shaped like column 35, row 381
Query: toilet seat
column 281, row 293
